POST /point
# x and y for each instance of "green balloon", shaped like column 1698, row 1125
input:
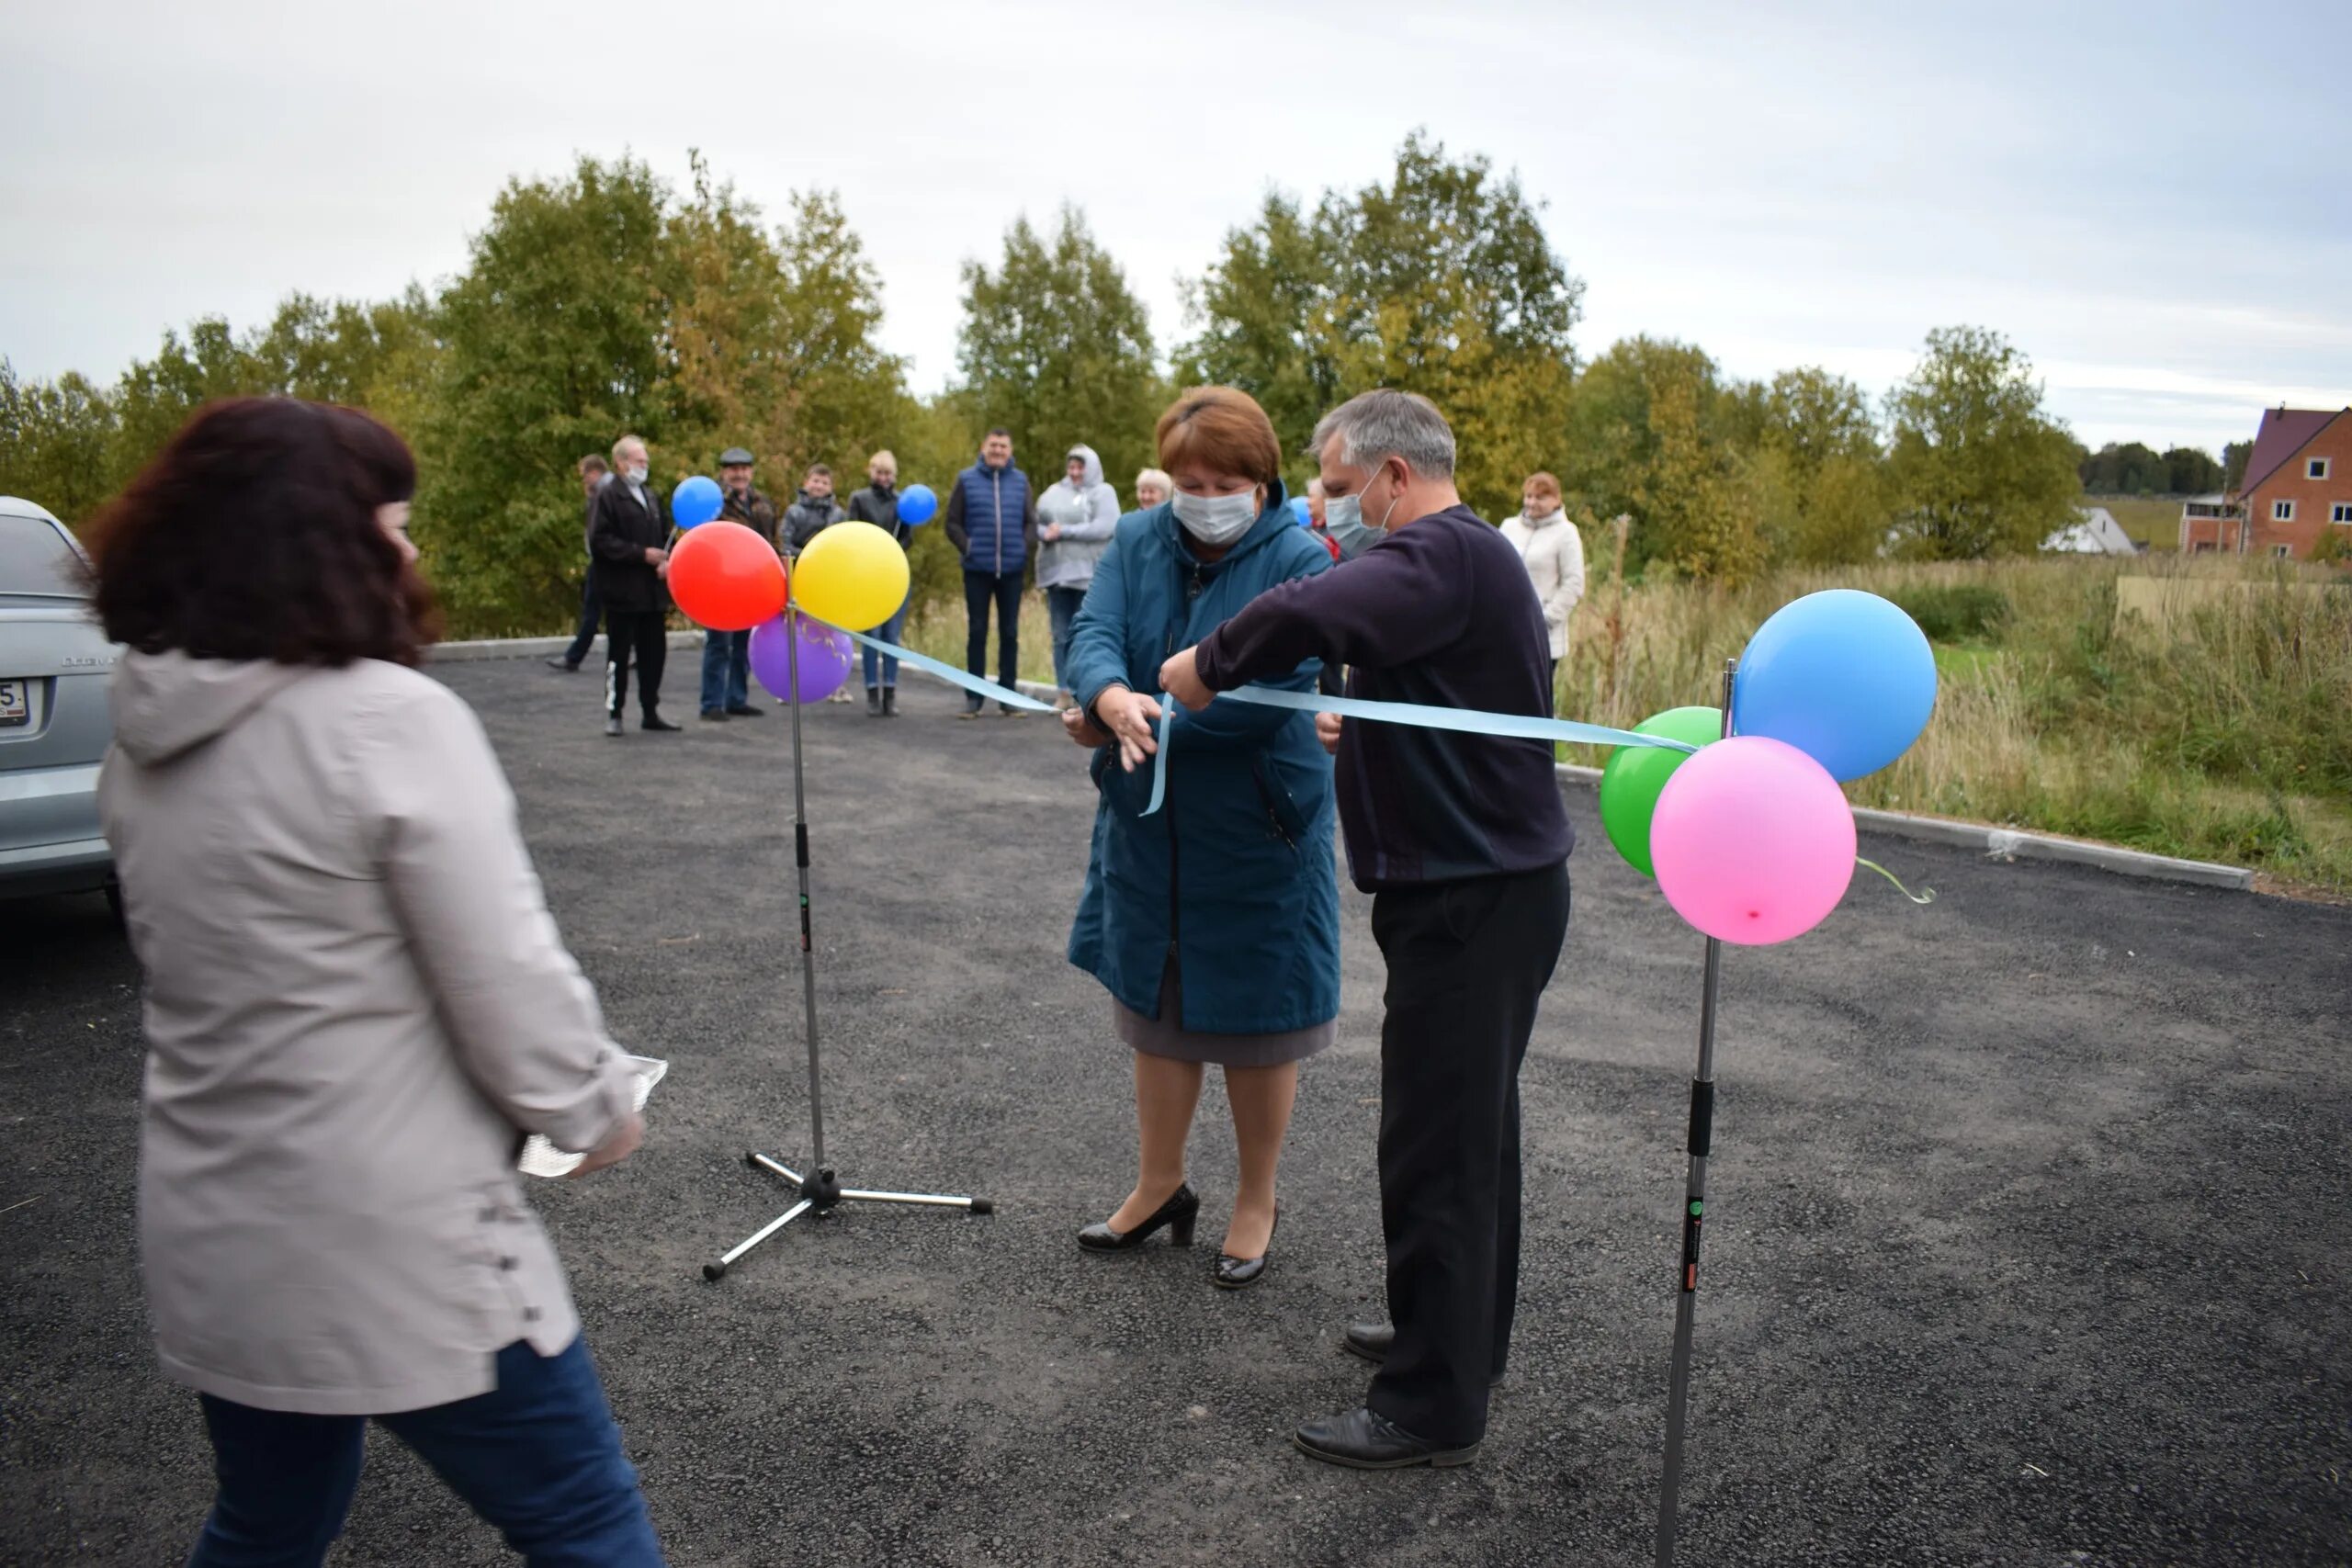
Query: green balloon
column 1629, row 784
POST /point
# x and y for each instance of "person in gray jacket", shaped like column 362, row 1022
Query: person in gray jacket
column 357, row 1005
column 1075, row 518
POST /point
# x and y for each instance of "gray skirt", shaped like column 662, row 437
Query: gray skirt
column 1163, row 1036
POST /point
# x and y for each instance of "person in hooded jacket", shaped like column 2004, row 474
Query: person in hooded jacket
column 1075, row 517
column 355, row 1006
column 814, row 512
column 1214, row 920
column 1553, row 551
column 879, row 504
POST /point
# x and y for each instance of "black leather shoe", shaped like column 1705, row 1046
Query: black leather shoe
column 1364, row 1441
column 1372, row 1341
column 874, row 702
column 745, row 710
column 712, row 716
column 566, row 665
column 1177, row 1216
column 1239, row 1273
column 656, row 723
column 889, row 701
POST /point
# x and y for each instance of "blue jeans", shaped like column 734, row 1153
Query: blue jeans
column 539, row 1456
column 1061, row 604
column 890, row 630
column 726, row 671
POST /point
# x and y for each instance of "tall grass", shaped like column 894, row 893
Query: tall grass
column 2225, row 733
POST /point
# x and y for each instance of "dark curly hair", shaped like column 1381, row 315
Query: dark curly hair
column 254, row 535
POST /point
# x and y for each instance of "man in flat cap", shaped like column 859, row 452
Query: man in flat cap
column 726, row 656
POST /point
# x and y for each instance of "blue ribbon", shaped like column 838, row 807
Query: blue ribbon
column 947, row 672
column 1467, row 721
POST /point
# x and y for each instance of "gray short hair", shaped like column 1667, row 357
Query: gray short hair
column 1388, row 424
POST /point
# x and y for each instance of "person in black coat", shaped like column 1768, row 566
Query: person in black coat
column 628, row 533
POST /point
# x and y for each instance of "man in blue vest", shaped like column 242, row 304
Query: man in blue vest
column 991, row 519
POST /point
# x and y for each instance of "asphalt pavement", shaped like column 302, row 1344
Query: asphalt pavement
column 2025, row 1241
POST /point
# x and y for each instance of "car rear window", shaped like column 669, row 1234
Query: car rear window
column 35, row 558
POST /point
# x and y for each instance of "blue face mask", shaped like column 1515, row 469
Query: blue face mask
column 1343, row 518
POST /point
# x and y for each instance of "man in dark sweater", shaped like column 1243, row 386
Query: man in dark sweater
column 1463, row 842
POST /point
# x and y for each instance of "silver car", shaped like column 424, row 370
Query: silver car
column 54, row 721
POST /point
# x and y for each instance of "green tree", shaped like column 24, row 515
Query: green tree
column 56, row 443
column 1056, row 348
column 1978, row 469
column 1651, row 433
column 1442, row 280
column 555, row 342
column 2234, row 457
column 2191, row 471
column 1813, row 449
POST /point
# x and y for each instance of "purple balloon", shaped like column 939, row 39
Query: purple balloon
column 824, row 659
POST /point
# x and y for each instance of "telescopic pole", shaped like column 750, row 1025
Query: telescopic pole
column 800, row 856
column 1694, row 1204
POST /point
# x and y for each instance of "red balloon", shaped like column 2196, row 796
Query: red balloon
column 727, row 578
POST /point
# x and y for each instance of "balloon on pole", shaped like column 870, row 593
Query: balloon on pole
column 917, row 505
column 725, row 577
column 823, row 664
column 1635, row 774
column 695, row 502
column 851, row 574
column 1753, row 841
column 1844, row 676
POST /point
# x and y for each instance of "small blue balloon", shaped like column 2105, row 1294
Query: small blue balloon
column 1298, row 509
column 1844, row 676
column 917, row 505
column 695, row 502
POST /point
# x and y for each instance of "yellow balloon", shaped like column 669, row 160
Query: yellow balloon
column 853, row 575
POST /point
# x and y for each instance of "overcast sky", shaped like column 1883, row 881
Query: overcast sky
column 2153, row 200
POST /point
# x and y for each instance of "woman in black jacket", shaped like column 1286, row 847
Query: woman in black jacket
column 879, row 504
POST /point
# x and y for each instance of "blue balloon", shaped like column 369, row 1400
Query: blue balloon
column 917, row 505
column 1298, row 509
column 1844, row 676
column 695, row 502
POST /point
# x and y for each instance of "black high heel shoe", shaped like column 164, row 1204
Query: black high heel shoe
column 1239, row 1273
column 1177, row 1216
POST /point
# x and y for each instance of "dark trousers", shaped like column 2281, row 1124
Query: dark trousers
column 591, row 610
column 1004, row 589
column 1467, row 962
column 538, row 1456
column 1062, row 605
column 640, row 633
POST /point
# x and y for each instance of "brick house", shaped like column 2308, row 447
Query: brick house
column 2298, row 482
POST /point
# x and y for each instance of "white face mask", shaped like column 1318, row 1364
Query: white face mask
column 1217, row 519
column 1343, row 520
column 635, row 473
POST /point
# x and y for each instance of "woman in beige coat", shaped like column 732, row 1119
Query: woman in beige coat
column 1554, row 553
column 356, row 1004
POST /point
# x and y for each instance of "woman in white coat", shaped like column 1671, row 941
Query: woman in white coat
column 357, row 1005
column 1554, row 553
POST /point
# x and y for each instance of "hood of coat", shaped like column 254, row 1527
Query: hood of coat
column 168, row 704
column 1550, row 519
column 1094, row 467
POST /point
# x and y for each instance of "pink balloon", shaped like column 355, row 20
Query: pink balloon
column 1753, row 841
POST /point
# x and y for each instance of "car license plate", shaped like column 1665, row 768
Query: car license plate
column 15, row 704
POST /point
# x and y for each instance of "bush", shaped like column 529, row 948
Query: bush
column 1956, row 612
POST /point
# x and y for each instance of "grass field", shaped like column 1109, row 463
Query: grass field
column 2151, row 521
column 2225, row 735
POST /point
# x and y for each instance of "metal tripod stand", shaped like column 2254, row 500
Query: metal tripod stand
column 819, row 1191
